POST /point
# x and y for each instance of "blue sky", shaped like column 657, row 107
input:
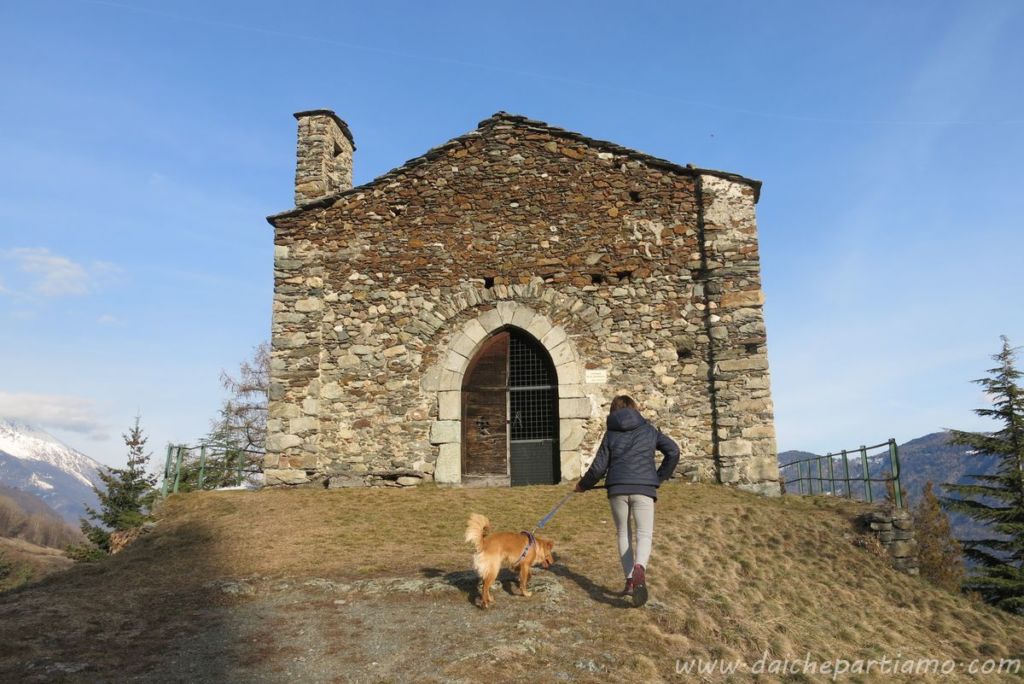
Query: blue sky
column 145, row 142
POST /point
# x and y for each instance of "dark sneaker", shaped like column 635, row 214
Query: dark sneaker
column 628, row 590
column 639, row 585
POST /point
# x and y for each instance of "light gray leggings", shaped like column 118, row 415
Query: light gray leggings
column 642, row 520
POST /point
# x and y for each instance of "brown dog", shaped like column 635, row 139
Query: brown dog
column 513, row 548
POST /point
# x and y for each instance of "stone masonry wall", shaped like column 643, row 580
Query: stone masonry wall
column 324, row 155
column 894, row 529
column 638, row 277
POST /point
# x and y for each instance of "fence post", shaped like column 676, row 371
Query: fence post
column 831, row 475
column 894, row 464
column 810, row 477
column 867, row 476
column 202, row 465
column 177, row 468
column 846, row 474
column 167, row 471
column 800, row 476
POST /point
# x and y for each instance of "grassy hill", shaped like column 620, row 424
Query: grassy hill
column 373, row 585
column 22, row 561
column 24, row 515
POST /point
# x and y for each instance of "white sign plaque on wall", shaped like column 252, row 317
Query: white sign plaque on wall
column 595, row 376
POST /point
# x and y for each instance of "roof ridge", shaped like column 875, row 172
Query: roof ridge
column 520, row 120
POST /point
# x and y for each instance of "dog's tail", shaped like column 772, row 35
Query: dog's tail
column 477, row 528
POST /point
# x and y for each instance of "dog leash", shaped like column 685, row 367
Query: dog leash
column 531, row 540
column 547, row 518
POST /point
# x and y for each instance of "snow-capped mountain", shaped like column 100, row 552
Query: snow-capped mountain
column 35, row 461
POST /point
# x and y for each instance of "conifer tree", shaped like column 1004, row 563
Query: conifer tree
column 127, row 495
column 997, row 499
column 939, row 554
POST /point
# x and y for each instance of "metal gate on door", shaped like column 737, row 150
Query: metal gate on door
column 510, row 413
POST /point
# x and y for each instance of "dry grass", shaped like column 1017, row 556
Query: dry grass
column 22, row 562
column 732, row 576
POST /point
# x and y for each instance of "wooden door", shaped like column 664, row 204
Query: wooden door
column 485, row 410
column 510, row 413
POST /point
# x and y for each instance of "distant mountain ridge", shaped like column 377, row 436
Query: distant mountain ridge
column 34, row 461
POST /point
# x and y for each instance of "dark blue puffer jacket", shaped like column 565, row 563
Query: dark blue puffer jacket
column 626, row 455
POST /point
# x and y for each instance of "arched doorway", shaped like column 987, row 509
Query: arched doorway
column 510, row 413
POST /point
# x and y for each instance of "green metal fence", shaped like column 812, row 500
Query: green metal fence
column 831, row 473
column 209, row 466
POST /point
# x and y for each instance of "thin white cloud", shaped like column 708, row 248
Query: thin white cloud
column 61, row 412
column 108, row 319
column 53, row 275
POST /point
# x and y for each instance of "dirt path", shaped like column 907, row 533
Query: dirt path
column 423, row 628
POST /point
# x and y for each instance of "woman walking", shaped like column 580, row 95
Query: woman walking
column 626, row 460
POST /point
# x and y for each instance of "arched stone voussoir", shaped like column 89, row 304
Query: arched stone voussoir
column 569, row 373
column 562, row 354
column 455, row 362
column 539, row 326
column 463, row 345
column 474, row 331
column 554, row 337
column 490, row 321
column 522, row 317
column 506, row 310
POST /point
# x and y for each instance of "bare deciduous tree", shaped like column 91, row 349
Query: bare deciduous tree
column 242, row 423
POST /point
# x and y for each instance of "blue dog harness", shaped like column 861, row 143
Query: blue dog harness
column 531, row 540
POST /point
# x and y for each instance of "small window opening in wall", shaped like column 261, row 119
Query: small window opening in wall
column 596, row 278
column 751, row 347
column 337, row 150
column 488, row 282
column 634, row 195
column 623, row 276
column 684, row 354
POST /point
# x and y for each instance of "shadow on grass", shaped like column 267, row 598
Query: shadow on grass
column 465, row 581
column 150, row 612
column 468, row 583
column 595, row 591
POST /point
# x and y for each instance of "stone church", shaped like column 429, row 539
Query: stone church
column 467, row 317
